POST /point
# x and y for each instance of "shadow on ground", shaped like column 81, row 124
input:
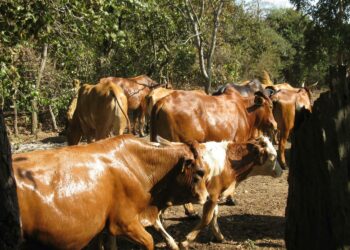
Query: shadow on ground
column 54, row 139
column 237, row 228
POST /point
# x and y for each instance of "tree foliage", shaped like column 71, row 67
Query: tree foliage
column 88, row 40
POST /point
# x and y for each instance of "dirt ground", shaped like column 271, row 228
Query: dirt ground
column 256, row 222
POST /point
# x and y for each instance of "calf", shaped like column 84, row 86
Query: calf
column 69, row 195
column 229, row 165
column 187, row 116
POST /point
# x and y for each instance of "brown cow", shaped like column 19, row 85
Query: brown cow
column 69, row 195
column 228, row 166
column 136, row 89
column 187, row 116
column 286, row 103
column 101, row 109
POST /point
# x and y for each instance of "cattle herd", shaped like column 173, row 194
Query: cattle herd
column 201, row 147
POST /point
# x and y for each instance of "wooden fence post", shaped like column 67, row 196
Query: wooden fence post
column 318, row 205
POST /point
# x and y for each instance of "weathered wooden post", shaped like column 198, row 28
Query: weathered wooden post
column 10, row 231
column 318, row 206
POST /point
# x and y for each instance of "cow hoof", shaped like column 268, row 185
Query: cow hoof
column 284, row 166
column 184, row 245
column 230, row 202
column 193, row 215
column 174, row 247
column 219, row 239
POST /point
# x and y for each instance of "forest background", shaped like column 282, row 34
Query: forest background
column 45, row 45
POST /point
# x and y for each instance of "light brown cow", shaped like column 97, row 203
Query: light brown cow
column 136, row 89
column 286, row 103
column 228, row 166
column 69, row 195
column 187, row 116
column 101, row 109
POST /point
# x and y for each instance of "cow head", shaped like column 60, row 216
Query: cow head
column 264, row 108
column 265, row 158
column 192, row 177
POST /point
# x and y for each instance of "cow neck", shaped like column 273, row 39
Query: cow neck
column 252, row 114
column 157, row 162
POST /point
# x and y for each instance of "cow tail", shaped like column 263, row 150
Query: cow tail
column 154, row 115
column 121, row 108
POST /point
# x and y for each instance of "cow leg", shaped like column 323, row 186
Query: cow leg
column 134, row 121
column 74, row 133
column 102, row 132
column 208, row 212
column 281, row 148
column 228, row 195
column 190, row 212
column 137, row 233
column 214, row 226
column 142, row 125
column 167, row 237
column 142, row 118
column 111, row 242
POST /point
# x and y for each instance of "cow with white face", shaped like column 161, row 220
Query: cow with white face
column 229, row 164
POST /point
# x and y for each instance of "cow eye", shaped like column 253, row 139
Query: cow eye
column 200, row 173
column 196, row 179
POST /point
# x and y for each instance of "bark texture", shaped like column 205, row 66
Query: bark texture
column 318, row 205
column 10, row 231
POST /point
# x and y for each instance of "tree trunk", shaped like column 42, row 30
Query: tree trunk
column 318, row 205
column 53, row 119
column 37, row 89
column 14, row 103
column 195, row 21
column 15, row 119
column 10, row 231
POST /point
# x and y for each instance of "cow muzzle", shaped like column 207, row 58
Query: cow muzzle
column 201, row 198
column 277, row 170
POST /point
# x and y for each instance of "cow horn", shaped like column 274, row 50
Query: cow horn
column 163, row 141
column 313, row 85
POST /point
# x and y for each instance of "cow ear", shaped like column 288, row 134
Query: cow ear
column 258, row 100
